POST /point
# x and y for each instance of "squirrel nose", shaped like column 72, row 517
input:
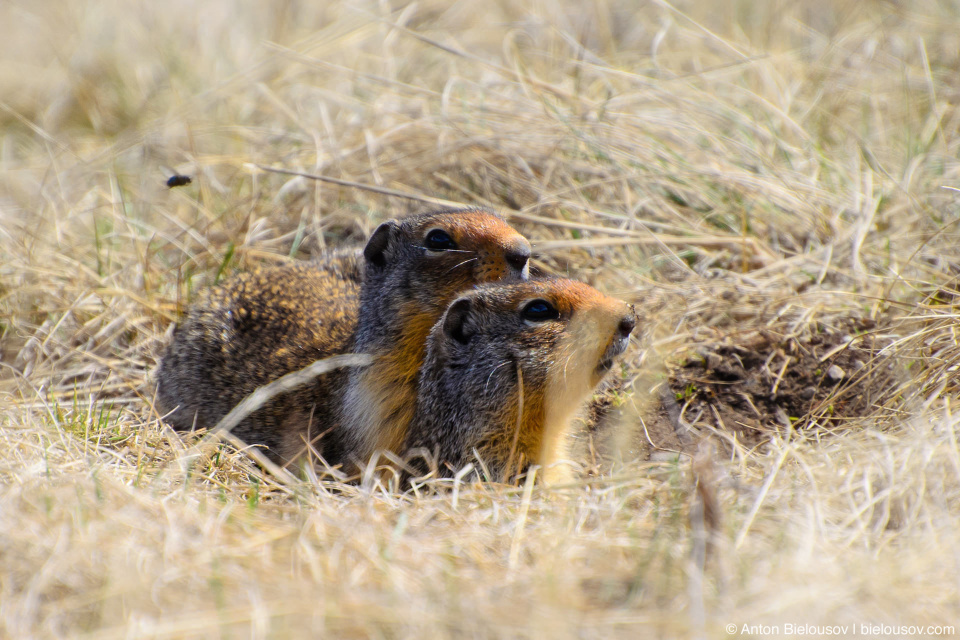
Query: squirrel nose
column 627, row 325
column 518, row 256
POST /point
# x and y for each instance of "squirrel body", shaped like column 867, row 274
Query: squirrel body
column 252, row 329
column 507, row 369
column 382, row 301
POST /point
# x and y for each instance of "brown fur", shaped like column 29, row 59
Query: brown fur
column 249, row 331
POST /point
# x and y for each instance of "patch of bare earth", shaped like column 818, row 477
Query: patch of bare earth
column 745, row 387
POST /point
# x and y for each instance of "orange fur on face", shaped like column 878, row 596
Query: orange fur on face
column 567, row 387
column 490, row 237
column 520, row 442
column 572, row 374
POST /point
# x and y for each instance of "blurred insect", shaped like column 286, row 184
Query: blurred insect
column 178, row 180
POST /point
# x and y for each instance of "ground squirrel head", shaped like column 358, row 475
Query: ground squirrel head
column 415, row 266
column 463, row 246
column 508, row 366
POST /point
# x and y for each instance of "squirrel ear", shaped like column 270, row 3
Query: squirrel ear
column 376, row 250
column 455, row 323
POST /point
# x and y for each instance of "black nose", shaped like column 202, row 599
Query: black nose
column 518, row 257
column 627, row 325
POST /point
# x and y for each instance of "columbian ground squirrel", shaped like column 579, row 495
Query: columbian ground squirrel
column 382, row 301
column 507, row 369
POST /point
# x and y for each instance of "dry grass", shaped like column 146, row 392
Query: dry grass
column 736, row 168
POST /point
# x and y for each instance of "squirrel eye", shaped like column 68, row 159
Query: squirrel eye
column 539, row 311
column 439, row 240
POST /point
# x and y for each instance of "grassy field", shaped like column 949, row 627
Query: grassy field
column 775, row 184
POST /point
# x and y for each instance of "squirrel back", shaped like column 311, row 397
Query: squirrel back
column 252, row 329
column 508, row 367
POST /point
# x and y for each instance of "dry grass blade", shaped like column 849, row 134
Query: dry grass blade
column 365, row 187
column 283, row 384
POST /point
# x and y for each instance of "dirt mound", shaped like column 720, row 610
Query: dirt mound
column 743, row 387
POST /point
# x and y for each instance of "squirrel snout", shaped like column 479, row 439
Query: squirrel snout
column 517, row 256
column 618, row 345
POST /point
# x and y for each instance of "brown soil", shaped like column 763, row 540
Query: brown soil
column 745, row 387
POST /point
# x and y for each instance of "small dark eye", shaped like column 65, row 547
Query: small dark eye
column 539, row 311
column 439, row 240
